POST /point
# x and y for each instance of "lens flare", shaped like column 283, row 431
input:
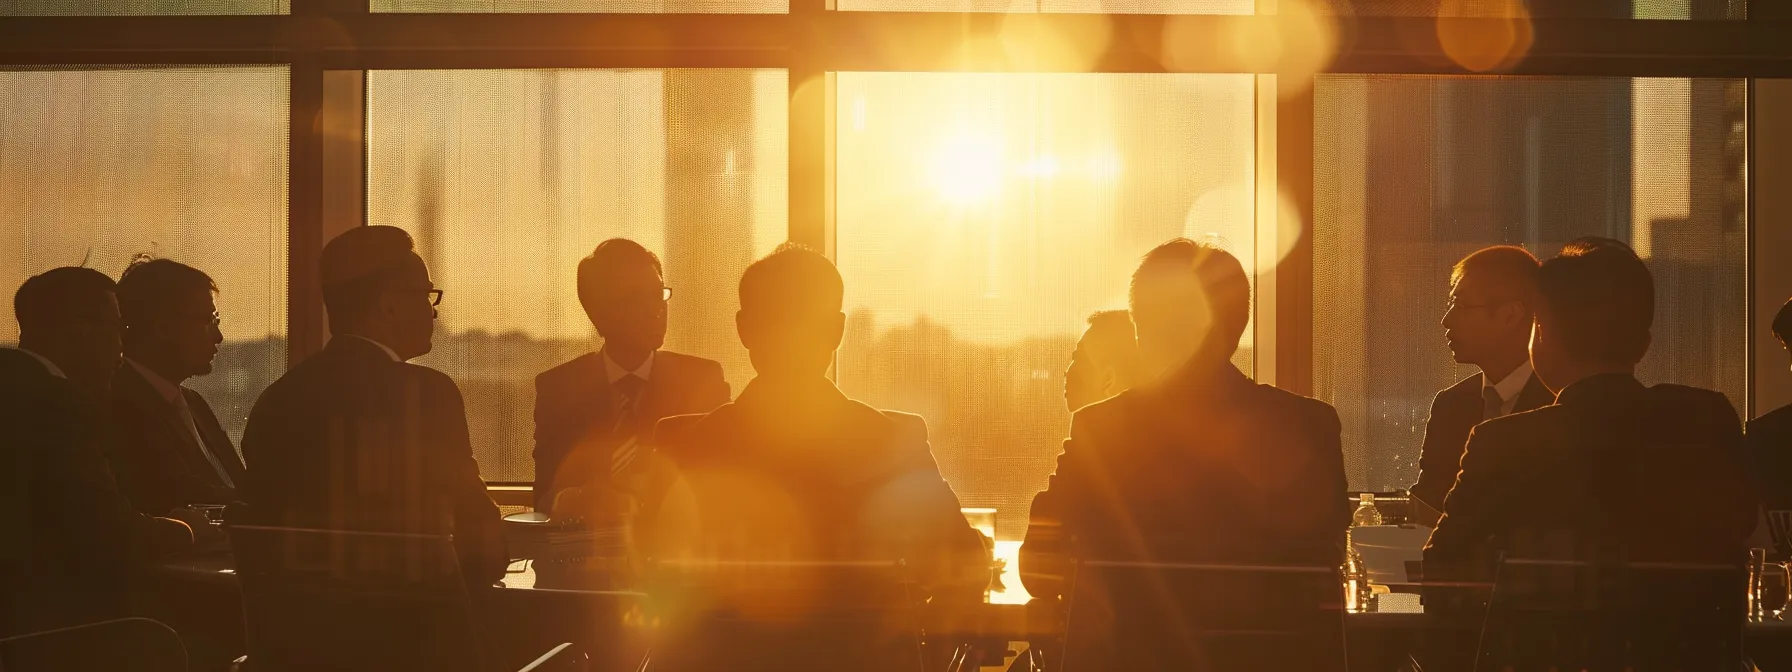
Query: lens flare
column 1489, row 35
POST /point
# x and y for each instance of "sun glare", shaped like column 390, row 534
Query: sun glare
column 967, row 168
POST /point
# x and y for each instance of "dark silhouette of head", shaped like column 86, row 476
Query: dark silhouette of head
column 1105, row 360
column 70, row 316
column 790, row 315
column 170, row 317
column 623, row 292
column 1190, row 304
column 1492, row 297
column 375, row 286
column 1782, row 326
column 1596, row 304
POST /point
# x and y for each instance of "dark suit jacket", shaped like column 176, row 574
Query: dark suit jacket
column 575, row 408
column 1653, row 473
column 350, row 439
column 72, row 540
column 1770, row 454
column 1207, row 468
column 796, row 470
column 155, row 457
column 1454, row 412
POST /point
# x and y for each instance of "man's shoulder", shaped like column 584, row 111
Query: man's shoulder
column 1686, row 395
column 582, row 366
column 1776, row 421
column 681, row 364
column 1294, row 402
column 1524, row 427
column 908, row 426
column 1467, row 388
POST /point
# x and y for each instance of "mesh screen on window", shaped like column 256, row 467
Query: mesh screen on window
column 569, row 6
column 141, row 7
column 1413, row 173
column 981, row 220
column 508, row 178
column 188, row 164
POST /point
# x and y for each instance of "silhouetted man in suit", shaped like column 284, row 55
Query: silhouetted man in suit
column 594, row 415
column 1770, row 440
column 1200, row 466
column 357, row 438
column 1488, row 325
column 72, row 540
column 169, row 449
column 794, row 470
column 1652, row 473
column 1105, row 362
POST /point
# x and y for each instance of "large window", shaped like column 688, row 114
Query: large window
column 188, row 164
column 1413, row 173
column 982, row 218
column 141, row 7
column 507, row 178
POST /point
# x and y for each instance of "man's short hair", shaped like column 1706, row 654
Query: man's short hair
column 1218, row 273
column 1510, row 270
column 1782, row 323
column 793, row 280
column 355, row 265
column 610, row 254
column 149, row 287
column 48, row 300
column 1598, row 297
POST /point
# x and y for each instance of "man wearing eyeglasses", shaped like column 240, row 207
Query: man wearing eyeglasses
column 594, row 414
column 1488, row 325
column 356, row 437
column 169, row 449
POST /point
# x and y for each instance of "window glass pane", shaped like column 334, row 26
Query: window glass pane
column 1078, row 6
column 1414, row 173
column 187, row 164
column 1582, row 9
column 612, row 6
column 508, row 178
column 141, row 7
column 982, row 218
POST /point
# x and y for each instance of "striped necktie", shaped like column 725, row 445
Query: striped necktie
column 628, row 388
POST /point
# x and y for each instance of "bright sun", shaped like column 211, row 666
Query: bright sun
column 967, row 167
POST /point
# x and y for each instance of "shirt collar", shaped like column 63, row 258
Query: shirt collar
column 1514, row 382
column 48, row 365
column 168, row 389
column 614, row 372
column 381, row 346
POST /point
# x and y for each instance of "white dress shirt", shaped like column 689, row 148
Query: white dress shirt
column 614, row 372
column 1511, row 386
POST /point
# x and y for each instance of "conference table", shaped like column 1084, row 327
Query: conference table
column 533, row 617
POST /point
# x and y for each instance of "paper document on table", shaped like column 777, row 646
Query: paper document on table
column 1386, row 548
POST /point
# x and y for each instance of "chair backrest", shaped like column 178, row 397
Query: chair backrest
column 344, row 600
column 1220, row 617
column 786, row 615
column 1605, row 613
column 119, row 645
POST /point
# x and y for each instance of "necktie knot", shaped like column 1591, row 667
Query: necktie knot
column 629, row 386
column 1491, row 403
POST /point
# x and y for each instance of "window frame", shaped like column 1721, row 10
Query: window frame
column 327, row 44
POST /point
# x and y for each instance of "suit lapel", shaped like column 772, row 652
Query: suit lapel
column 215, row 438
column 181, row 439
